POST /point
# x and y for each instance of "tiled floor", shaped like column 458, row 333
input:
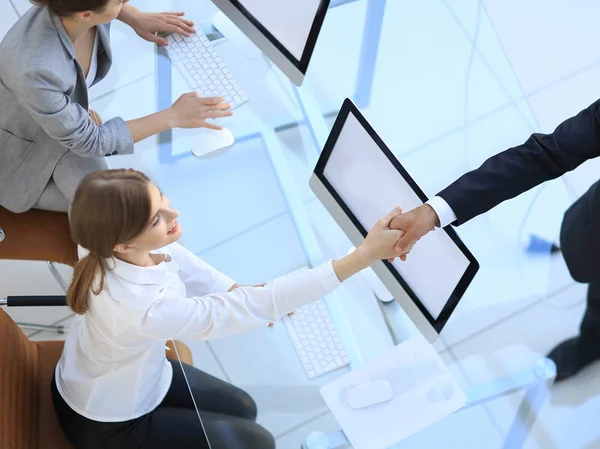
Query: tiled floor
column 455, row 82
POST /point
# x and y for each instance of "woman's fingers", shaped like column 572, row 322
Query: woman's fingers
column 180, row 25
column 222, row 105
column 216, row 114
column 212, row 126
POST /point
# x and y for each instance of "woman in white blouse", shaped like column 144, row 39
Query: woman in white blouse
column 134, row 289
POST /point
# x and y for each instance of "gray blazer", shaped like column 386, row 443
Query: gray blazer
column 43, row 107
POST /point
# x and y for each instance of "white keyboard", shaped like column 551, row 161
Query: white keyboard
column 203, row 68
column 316, row 339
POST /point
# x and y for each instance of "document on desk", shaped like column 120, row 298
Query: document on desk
column 394, row 396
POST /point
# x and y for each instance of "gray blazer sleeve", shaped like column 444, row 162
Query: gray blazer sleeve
column 41, row 94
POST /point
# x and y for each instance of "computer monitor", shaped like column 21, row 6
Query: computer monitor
column 285, row 31
column 359, row 180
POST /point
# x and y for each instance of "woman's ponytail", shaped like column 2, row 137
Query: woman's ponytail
column 110, row 207
column 81, row 285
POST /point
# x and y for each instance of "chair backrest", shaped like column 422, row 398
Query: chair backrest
column 19, row 383
column 36, row 235
column 27, row 417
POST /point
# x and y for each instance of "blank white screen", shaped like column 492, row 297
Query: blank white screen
column 370, row 185
column 289, row 21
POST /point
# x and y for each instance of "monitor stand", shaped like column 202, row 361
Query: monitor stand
column 221, row 27
column 380, row 290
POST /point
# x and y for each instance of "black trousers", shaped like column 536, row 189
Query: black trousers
column 228, row 414
column 580, row 244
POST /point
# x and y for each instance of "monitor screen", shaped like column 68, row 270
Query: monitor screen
column 368, row 181
column 291, row 25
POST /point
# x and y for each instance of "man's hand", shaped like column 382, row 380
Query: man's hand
column 415, row 224
column 147, row 25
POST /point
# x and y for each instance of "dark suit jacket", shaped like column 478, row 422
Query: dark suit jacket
column 514, row 171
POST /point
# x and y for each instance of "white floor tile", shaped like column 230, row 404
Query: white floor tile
column 465, row 429
column 8, row 17
column 50, row 335
column 540, row 38
column 323, row 423
column 300, row 155
column 32, row 278
column 22, row 5
column 565, row 99
column 407, row 76
column 222, row 195
column 514, row 345
column 463, row 149
column 293, row 439
column 489, row 48
column 332, row 75
column 260, row 254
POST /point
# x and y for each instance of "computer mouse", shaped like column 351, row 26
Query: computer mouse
column 369, row 393
column 209, row 140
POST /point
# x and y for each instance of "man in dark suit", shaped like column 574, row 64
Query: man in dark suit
column 541, row 158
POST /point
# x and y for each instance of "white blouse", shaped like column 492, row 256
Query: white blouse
column 93, row 70
column 114, row 368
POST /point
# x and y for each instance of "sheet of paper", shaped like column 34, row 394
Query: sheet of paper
column 424, row 391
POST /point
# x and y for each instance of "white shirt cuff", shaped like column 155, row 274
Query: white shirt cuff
column 327, row 277
column 304, row 287
column 444, row 212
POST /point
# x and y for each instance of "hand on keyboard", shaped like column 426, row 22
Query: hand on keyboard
column 203, row 68
column 192, row 111
column 147, row 25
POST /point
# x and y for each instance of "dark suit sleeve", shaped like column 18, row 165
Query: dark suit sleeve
column 514, row 171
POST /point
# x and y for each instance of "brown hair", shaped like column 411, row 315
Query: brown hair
column 65, row 8
column 111, row 207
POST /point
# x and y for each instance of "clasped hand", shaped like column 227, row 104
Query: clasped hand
column 415, row 224
column 148, row 25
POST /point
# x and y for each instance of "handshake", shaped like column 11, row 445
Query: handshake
column 415, row 224
column 396, row 233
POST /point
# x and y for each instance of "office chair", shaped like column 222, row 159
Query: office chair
column 27, row 418
column 38, row 236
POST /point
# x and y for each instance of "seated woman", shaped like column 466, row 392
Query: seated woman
column 49, row 141
column 134, row 289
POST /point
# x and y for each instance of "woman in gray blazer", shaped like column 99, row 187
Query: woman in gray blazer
column 49, row 141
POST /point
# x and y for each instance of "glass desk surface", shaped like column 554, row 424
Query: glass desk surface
column 444, row 97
